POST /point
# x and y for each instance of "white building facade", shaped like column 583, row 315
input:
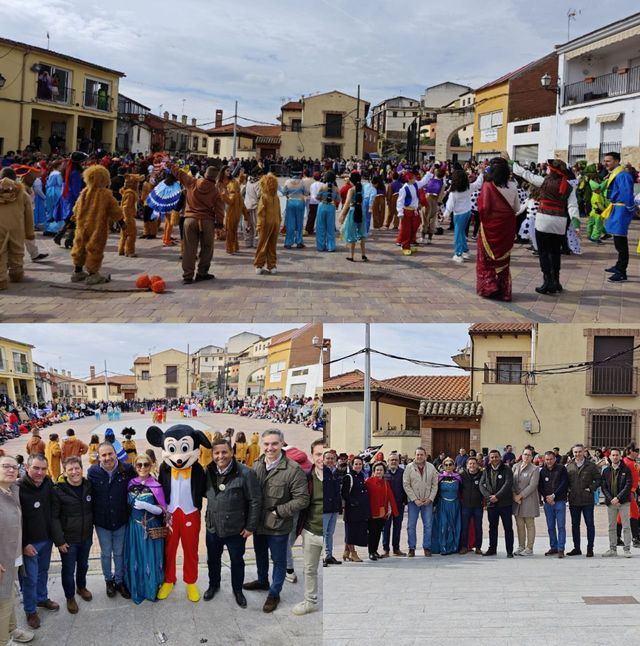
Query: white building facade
column 532, row 140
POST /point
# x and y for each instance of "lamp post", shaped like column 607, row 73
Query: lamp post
column 545, row 82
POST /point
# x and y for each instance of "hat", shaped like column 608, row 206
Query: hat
column 559, row 164
column 408, row 175
column 78, row 156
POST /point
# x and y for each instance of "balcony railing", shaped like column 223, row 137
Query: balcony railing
column 610, row 147
column 55, row 94
column 614, row 380
column 22, row 368
column 97, row 101
column 602, row 87
column 507, row 373
column 576, row 153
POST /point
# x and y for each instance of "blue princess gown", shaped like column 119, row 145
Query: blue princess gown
column 445, row 534
column 144, row 556
column 53, row 203
column 353, row 231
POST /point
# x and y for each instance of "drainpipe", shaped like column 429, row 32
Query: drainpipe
column 20, row 129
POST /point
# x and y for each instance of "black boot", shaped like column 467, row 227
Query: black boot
column 544, row 288
column 556, row 281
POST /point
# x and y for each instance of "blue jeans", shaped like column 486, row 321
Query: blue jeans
column 36, row 575
column 460, row 223
column 393, row 537
column 596, row 496
column 587, row 512
column 112, row 544
column 426, row 514
column 215, row 547
column 277, row 545
column 75, row 561
column 556, row 516
column 293, row 220
column 329, row 521
column 467, row 514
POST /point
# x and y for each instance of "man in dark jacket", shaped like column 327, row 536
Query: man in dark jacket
column 471, row 505
column 234, row 500
column 72, row 529
column 496, row 485
column 284, row 493
column 36, row 489
column 332, row 504
column 393, row 476
column 584, row 479
column 616, row 487
column 552, row 487
column 110, row 482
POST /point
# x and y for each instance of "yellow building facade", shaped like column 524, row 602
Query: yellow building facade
column 598, row 406
column 163, row 375
column 47, row 93
column 275, row 381
column 17, row 378
column 490, row 120
column 324, row 126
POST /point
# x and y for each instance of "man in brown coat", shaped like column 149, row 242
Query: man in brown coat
column 72, row 446
column 204, row 209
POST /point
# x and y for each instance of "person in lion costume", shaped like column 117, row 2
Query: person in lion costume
column 95, row 209
column 129, row 204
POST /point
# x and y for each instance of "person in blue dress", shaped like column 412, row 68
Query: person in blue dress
column 54, row 186
column 619, row 192
column 295, row 193
column 328, row 199
column 144, row 556
column 353, row 218
column 445, row 535
column 39, row 203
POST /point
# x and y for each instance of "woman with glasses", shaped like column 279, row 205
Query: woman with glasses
column 526, row 501
column 447, row 524
column 144, row 554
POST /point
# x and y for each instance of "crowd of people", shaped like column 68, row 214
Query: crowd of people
column 273, row 493
column 496, row 203
column 451, row 494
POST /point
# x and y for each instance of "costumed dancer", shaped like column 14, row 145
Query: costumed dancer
column 232, row 197
column 377, row 208
column 251, row 200
column 94, row 211
column 528, row 228
column 353, row 218
column 268, row 225
column 295, row 194
column 447, row 523
column 54, row 190
column 129, row 205
column 595, row 224
column 27, row 175
column 110, row 436
column 40, row 197
column 328, row 199
column 129, row 444
column 407, row 210
column 149, row 226
column 183, row 481
column 164, row 198
column 391, row 194
column 253, row 452
column 434, row 191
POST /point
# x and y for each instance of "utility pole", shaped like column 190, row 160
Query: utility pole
column 188, row 361
column 106, row 381
column 571, row 15
column 235, row 131
column 357, row 121
column 367, row 387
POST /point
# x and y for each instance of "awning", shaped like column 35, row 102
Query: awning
column 575, row 121
column 604, row 42
column 608, row 118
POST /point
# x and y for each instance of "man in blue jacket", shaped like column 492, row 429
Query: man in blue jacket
column 394, row 478
column 110, row 481
column 619, row 192
column 332, row 504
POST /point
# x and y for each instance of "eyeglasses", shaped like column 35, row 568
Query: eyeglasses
column 143, row 464
column 10, row 467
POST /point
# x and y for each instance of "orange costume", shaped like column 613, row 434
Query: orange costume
column 129, row 204
column 53, row 453
column 235, row 207
column 268, row 226
column 35, row 446
column 253, row 452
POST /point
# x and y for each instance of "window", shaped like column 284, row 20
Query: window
column 97, row 94
column 138, row 135
column 610, row 429
column 276, row 370
column 216, row 146
column 20, row 363
column 395, row 114
column 333, row 125
column 296, row 125
column 195, row 142
column 3, row 365
column 404, row 125
column 171, row 393
column 529, row 127
column 332, row 151
column 508, row 370
column 489, row 124
column 613, row 376
column 54, row 84
column 411, row 420
column 298, row 373
column 171, row 374
column 144, row 375
column 204, row 142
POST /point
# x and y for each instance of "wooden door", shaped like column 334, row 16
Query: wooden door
column 450, row 440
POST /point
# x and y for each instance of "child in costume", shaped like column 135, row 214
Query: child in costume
column 353, row 218
column 232, row 197
column 164, row 198
column 94, row 211
column 528, row 227
column 268, row 225
column 129, row 205
column 595, row 224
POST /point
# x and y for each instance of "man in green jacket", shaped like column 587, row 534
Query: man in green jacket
column 284, row 493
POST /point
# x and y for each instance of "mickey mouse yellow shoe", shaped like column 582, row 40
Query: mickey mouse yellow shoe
column 193, row 594
column 165, row 590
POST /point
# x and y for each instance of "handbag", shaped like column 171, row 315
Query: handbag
column 155, row 533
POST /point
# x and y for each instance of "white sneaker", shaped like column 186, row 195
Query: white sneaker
column 527, row 552
column 304, row 608
column 610, row 552
column 273, row 271
column 627, row 554
column 466, row 255
column 260, row 271
column 21, row 636
column 292, row 578
column 458, row 259
column 518, row 551
column 420, row 239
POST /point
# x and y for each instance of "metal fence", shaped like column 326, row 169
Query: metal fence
column 507, row 372
column 602, row 87
column 611, row 429
column 609, row 147
column 614, row 380
column 576, row 153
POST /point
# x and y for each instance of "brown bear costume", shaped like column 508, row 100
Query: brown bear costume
column 129, row 204
column 94, row 211
column 16, row 224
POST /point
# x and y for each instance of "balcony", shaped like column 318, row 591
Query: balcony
column 22, row 368
column 61, row 94
column 602, row 87
column 507, row 373
column 98, row 101
column 614, row 380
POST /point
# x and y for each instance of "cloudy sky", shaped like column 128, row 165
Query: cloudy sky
column 424, row 342
column 76, row 347
column 262, row 53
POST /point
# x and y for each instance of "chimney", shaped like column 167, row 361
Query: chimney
column 218, row 118
column 184, row 119
column 166, row 115
column 174, row 117
column 194, row 122
column 92, row 372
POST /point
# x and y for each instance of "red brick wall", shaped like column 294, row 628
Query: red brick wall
column 527, row 97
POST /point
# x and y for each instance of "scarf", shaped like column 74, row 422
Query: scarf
column 564, row 184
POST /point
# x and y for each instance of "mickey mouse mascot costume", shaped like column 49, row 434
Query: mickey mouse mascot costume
column 183, row 481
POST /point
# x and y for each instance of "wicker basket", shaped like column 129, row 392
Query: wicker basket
column 157, row 532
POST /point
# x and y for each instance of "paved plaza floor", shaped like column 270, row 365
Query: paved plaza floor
column 314, row 286
column 473, row 600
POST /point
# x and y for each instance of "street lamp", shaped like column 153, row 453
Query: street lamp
column 545, row 81
column 3, row 80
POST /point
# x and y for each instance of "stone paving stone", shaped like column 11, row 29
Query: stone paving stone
column 427, row 287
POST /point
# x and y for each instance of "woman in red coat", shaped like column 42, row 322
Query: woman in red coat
column 382, row 503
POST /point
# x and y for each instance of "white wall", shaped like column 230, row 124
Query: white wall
column 312, row 380
column 545, row 138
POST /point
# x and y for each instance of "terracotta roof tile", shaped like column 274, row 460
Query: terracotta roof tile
column 118, row 380
column 292, row 105
column 431, row 408
column 501, row 328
